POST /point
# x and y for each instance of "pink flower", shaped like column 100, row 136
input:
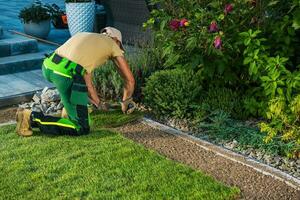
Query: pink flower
column 228, row 8
column 213, row 27
column 218, row 42
column 174, row 24
column 184, row 23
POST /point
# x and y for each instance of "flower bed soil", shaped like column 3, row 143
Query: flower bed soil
column 8, row 114
column 253, row 184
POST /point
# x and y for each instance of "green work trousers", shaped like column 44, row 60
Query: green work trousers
column 73, row 93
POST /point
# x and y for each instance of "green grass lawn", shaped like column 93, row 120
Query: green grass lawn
column 101, row 165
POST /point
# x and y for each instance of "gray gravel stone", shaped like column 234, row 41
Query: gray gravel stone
column 51, row 109
column 36, row 109
column 277, row 161
column 259, row 155
column 268, row 159
column 59, row 106
column 292, row 163
column 252, row 154
column 50, row 96
column 47, row 101
column 37, row 97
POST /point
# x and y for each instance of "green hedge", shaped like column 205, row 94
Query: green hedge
column 172, row 92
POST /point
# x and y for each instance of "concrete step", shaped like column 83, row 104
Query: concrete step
column 20, row 63
column 16, row 46
column 1, row 32
column 20, row 87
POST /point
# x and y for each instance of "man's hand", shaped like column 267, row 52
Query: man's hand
column 128, row 106
column 93, row 97
column 100, row 105
column 96, row 104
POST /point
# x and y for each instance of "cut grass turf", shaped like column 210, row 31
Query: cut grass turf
column 101, row 165
column 113, row 118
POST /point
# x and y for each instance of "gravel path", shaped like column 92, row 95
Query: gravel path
column 254, row 185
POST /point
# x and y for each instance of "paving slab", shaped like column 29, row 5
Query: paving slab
column 18, row 87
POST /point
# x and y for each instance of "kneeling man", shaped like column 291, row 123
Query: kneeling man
column 70, row 69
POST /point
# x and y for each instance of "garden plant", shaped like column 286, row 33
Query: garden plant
column 36, row 12
column 248, row 49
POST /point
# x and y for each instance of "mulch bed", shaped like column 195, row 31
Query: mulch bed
column 253, row 185
column 7, row 114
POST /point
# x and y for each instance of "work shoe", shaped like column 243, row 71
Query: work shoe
column 23, row 122
column 128, row 106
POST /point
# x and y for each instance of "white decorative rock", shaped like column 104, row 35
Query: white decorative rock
column 81, row 17
column 50, row 96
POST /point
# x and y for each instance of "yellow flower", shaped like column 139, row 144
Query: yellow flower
column 186, row 23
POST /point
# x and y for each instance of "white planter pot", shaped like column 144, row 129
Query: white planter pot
column 81, row 17
column 40, row 30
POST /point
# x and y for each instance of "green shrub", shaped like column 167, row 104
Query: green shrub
column 224, row 99
column 173, row 92
column 108, row 82
column 280, row 86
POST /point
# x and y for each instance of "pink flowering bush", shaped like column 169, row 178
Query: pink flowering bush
column 213, row 28
column 203, row 35
column 228, row 8
column 174, row 24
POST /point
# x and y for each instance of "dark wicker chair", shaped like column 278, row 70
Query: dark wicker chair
column 128, row 16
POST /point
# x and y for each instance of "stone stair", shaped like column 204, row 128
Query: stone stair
column 17, row 46
column 1, row 32
column 20, row 68
column 20, row 63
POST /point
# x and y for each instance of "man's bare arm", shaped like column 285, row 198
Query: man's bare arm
column 127, row 76
column 91, row 89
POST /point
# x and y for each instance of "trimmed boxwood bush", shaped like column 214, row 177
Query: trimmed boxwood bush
column 225, row 99
column 173, row 92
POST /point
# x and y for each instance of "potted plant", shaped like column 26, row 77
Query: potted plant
column 81, row 15
column 36, row 19
column 59, row 17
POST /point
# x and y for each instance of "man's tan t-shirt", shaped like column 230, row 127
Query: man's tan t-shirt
column 90, row 50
